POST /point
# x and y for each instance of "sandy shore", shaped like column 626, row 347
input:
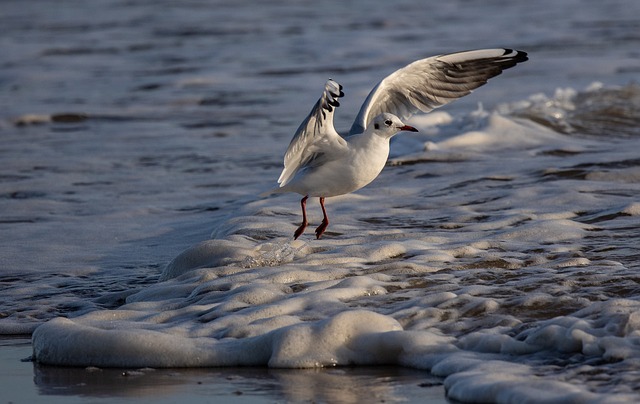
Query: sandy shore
column 22, row 381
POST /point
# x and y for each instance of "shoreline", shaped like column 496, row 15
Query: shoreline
column 25, row 381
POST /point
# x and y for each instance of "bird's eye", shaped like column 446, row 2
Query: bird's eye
column 388, row 122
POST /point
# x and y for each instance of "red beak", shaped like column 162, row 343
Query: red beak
column 408, row 128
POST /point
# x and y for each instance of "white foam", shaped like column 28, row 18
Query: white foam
column 209, row 253
column 632, row 209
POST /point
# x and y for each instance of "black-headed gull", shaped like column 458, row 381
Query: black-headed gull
column 321, row 163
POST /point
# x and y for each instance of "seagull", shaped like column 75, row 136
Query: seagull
column 321, row 163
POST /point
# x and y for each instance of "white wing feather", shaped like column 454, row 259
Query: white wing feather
column 429, row 83
column 316, row 137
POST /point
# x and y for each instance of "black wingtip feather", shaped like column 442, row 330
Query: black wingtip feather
column 330, row 99
column 519, row 57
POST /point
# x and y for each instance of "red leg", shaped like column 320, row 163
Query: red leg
column 325, row 220
column 300, row 230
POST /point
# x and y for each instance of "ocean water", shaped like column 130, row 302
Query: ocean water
column 498, row 250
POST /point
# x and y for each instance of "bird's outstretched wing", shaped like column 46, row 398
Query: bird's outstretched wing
column 316, row 136
column 429, row 83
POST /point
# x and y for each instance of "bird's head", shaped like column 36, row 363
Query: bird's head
column 386, row 125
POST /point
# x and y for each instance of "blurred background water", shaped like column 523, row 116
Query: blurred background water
column 124, row 122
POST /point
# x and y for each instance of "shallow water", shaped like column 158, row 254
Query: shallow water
column 500, row 244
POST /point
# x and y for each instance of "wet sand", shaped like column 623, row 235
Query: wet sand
column 23, row 381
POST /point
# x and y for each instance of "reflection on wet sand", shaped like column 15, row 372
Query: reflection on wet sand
column 330, row 385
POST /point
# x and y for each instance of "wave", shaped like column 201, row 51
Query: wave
column 500, row 256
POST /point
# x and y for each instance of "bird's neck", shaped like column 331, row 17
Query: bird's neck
column 369, row 140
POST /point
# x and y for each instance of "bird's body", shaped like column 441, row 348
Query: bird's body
column 350, row 167
column 321, row 163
